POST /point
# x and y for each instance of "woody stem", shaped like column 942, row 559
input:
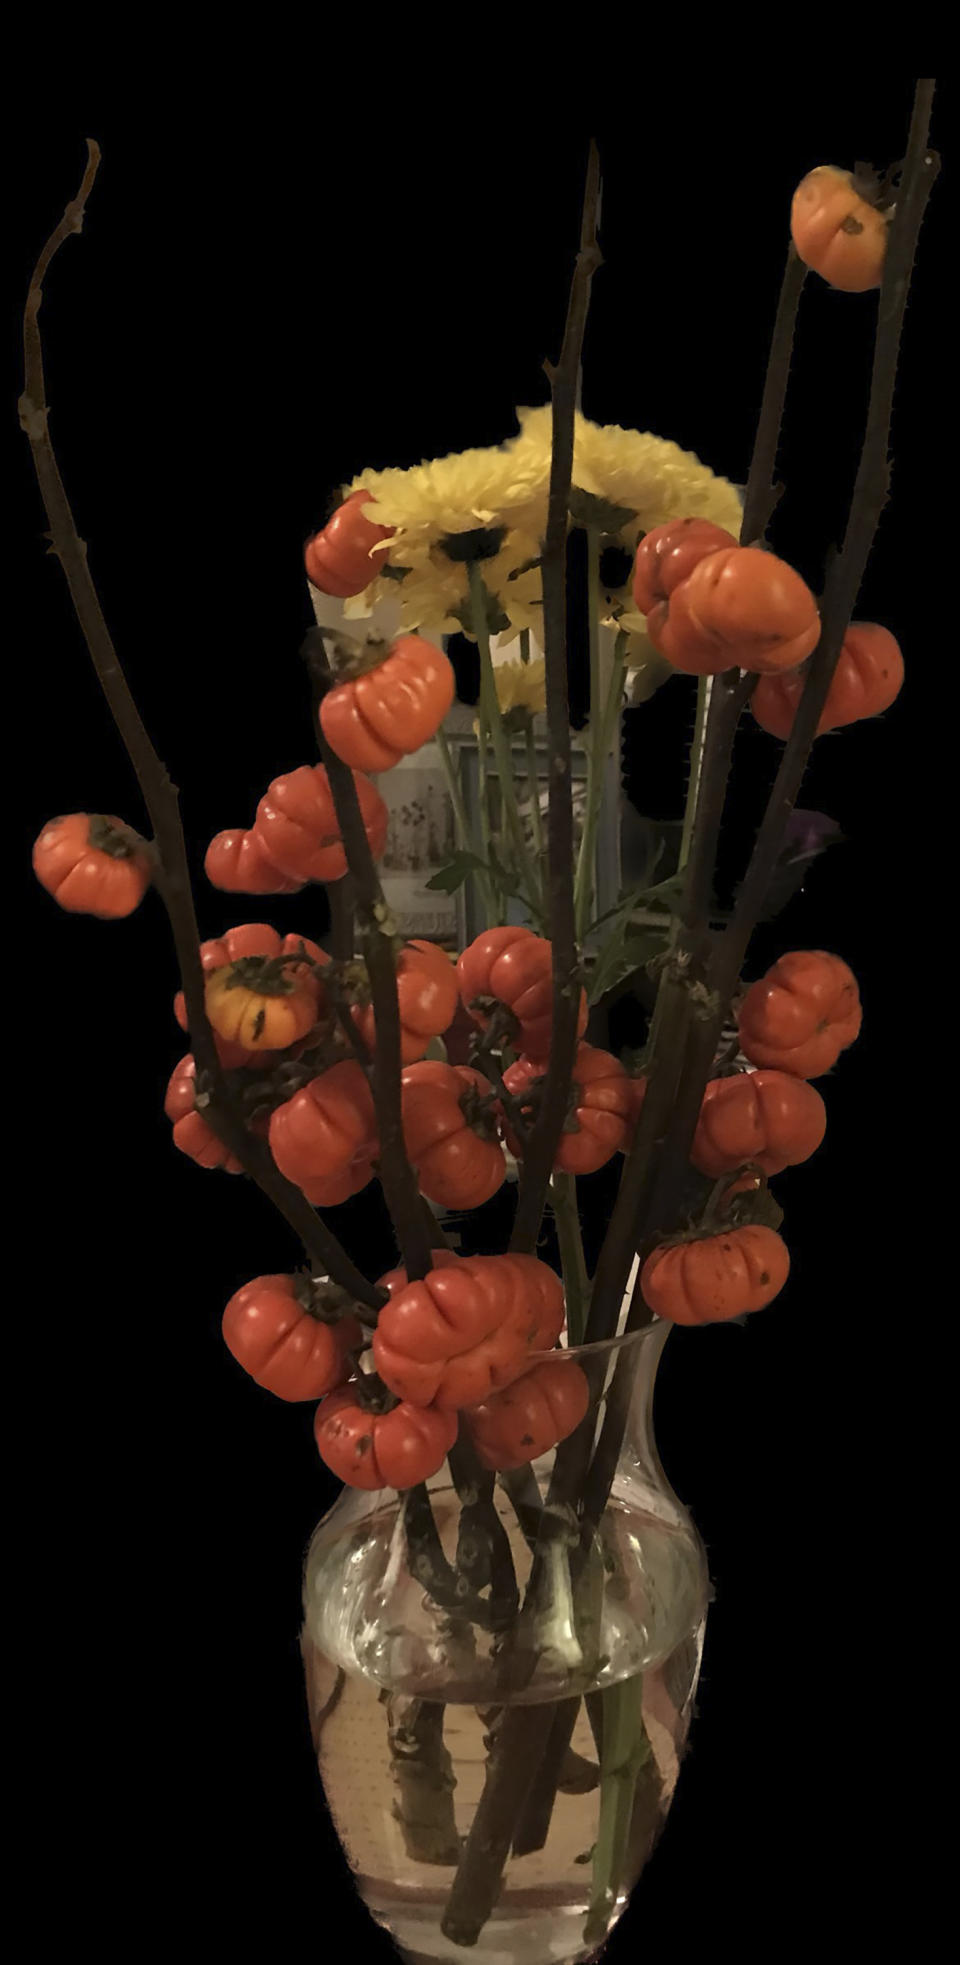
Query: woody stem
column 160, row 795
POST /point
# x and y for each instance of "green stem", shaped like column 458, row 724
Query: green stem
column 626, row 1747
column 533, row 774
column 490, row 711
column 462, row 823
column 563, row 1193
column 534, row 1824
column 483, row 805
column 456, row 796
column 696, row 768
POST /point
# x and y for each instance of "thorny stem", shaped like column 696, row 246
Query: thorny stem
column 377, row 936
column 518, row 1749
column 484, row 1050
column 727, row 698
column 566, row 1214
column 596, row 754
column 870, row 493
column 483, row 1545
column 564, row 387
column 704, row 687
column 447, row 1587
column 160, row 795
column 710, row 766
column 423, row 1773
column 340, row 896
column 684, row 1003
column 866, row 505
column 596, row 774
column 619, row 1245
column 762, row 493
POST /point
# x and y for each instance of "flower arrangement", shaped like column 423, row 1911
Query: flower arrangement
column 482, row 1406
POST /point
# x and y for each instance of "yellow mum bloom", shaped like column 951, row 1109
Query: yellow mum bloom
column 492, row 489
column 521, row 686
column 435, row 591
column 468, row 489
column 505, row 488
column 650, row 476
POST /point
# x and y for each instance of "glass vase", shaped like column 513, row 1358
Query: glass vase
column 500, row 1674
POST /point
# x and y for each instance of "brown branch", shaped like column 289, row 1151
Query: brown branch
column 517, row 1749
column 867, row 501
column 676, row 1014
column 376, row 934
column 340, row 896
column 541, row 1149
column 762, row 493
column 160, row 795
column 691, row 1017
column 870, row 493
column 731, row 691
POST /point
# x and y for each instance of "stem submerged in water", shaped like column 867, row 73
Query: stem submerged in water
column 626, row 1747
column 424, row 1778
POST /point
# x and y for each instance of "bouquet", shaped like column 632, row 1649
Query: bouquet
column 503, row 1614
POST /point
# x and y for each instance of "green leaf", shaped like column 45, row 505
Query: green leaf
column 632, row 943
column 624, row 955
column 507, row 877
column 666, row 894
column 448, row 878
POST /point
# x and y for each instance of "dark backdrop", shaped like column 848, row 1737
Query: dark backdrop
column 244, row 324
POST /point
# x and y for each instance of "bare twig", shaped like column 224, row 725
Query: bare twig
column 762, row 493
column 689, row 1018
column 517, row 1750
column 870, row 493
column 565, row 388
column 160, row 795
column 340, row 896
column 676, row 1009
column 377, row 938
column 656, row 1212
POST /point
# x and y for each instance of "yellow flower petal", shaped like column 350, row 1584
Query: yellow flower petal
column 521, row 685
column 507, row 487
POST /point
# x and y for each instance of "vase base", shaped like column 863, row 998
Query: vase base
column 524, row 1936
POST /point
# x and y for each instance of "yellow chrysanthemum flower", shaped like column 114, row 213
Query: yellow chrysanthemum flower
column 490, row 489
column 435, row 591
column 506, row 489
column 468, row 489
column 521, row 686
column 647, row 475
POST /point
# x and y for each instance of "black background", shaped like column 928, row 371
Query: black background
column 248, row 319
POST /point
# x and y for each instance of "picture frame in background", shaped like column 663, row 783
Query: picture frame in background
column 421, row 838
column 462, row 741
